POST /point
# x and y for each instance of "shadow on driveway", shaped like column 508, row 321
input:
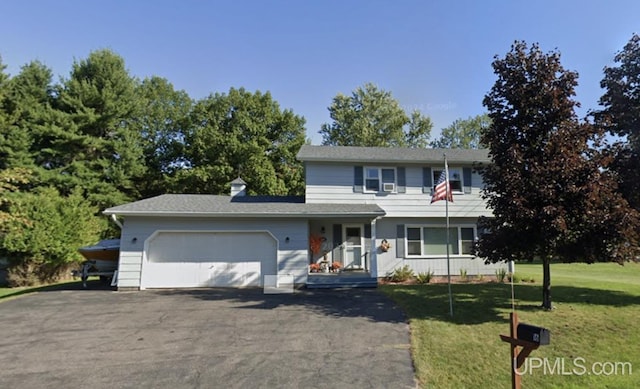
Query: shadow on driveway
column 204, row 338
column 365, row 303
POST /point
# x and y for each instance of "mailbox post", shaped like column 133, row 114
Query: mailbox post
column 529, row 338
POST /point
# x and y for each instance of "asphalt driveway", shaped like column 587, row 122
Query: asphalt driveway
column 203, row 339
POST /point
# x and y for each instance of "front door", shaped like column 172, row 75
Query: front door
column 353, row 247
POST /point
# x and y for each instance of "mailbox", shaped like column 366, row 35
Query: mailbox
column 534, row 334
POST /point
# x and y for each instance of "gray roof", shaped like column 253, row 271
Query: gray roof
column 390, row 154
column 185, row 205
column 238, row 181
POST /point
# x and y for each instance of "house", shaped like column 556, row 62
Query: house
column 367, row 208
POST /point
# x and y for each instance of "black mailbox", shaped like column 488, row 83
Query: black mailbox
column 534, row 334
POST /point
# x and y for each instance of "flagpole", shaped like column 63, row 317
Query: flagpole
column 446, row 207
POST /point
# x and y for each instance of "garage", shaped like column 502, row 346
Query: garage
column 187, row 259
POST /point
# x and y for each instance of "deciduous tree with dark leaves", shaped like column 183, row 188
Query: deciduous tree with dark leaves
column 621, row 116
column 552, row 195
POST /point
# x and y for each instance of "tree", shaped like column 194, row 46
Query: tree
column 463, row 133
column 372, row 117
column 3, row 92
column 89, row 141
column 621, row 117
column 27, row 105
column 242, row 134
column 162, row 124
column 44, row 237
column 550, row 191
column 10, row 182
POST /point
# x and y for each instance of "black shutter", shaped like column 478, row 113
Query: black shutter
column 357, row 179
column 402, row 180
column 337, row 241
column 367, row 231
column 400, row 241
column 466, row 178
column 427, row 180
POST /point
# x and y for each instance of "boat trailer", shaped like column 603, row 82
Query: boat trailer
column 96, row 268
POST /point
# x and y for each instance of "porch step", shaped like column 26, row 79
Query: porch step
column 357, row 280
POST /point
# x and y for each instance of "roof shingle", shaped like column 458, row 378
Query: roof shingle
column 245, row 206
column 390, row 154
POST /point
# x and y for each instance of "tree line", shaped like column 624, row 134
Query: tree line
column 101, row 137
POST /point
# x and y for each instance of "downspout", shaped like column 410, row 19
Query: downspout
column 115, row 220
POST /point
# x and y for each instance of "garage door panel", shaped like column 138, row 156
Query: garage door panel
column 235, row 274
column 201, row 259
column 171, row 274
column 210, row 247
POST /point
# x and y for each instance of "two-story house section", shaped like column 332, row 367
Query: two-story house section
column 365, row 212
column 400, row 181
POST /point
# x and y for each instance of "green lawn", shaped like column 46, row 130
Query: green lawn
column 13, row 292
column 595, row 322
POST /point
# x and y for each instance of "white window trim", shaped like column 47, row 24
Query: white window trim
column 421, row 228
column 457, row 169
column 380, row 168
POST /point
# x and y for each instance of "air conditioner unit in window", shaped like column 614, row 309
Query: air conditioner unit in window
column 388, row 187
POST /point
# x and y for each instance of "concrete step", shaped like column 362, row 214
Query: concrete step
column 342, row 281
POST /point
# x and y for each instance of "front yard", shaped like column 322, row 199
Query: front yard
column 594, row 335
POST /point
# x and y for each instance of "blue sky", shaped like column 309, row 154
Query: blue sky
column 434, row 56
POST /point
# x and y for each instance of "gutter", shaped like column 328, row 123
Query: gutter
column 249, row 215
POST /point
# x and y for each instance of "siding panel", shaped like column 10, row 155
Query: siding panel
column 331, row 183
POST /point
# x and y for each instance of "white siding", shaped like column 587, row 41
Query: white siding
column 333, row 183
column 387, row 262
column 292, row 254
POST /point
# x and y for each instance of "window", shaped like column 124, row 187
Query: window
column 414, row 241
column 432, row 240
column 455, row 179
column 435, row 241
column 372, row 180
column 466, row 240
column 376, row 177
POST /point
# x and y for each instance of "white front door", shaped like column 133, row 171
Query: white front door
column 353, row 247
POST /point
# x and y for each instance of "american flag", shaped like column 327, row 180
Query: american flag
column 443, row 190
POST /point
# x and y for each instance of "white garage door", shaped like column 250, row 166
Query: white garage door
column 201, row 259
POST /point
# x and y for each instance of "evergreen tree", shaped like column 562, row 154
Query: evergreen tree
column 91, row 142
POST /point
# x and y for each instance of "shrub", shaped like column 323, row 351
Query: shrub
column 463, row 275
column 501, row 274
column 42, row 242
column 28, row 272
column 515, row 278
column 424, row 278
column 480, row 277
column 401, row 274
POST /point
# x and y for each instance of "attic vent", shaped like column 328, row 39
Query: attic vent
column 388, row 187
